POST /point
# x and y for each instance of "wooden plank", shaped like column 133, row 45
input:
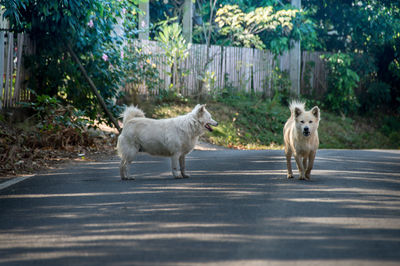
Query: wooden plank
column 9, row 71
column 2, row 59
column 17, row 88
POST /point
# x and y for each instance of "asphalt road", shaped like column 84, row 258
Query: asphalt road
column 237, row 208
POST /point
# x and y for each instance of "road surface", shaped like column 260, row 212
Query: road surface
column 237, row 208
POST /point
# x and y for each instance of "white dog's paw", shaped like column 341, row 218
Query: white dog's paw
column 176, row 174
column 290, row 176
column 185, row 176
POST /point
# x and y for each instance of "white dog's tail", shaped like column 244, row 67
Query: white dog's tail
column 296, row 104
column 131, row 112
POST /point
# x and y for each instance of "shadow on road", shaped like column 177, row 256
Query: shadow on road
column 237, row 208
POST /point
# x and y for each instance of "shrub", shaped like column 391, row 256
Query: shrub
column 176, row 51
column 89, row 27
column 377, row 95
column 342, row 81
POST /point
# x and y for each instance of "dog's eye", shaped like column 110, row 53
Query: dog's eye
column 310, row 122
column 302, row 121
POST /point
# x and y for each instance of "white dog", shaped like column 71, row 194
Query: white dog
column 301, row 138
column 172, row 137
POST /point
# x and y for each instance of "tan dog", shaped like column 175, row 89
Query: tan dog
column 301, row 138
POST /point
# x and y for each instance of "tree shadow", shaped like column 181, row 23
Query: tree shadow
column 237, row 207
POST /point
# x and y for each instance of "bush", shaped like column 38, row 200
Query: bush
column 88, row 26
column 52, row 116
column 377, row 95
column 342, row 81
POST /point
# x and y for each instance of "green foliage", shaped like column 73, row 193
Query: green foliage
column 342, row 80
column 173, row 43
column 176, row 51
column 391, row 128
column 89, row 27
column 355, row 25
column 376, row 96
column 11, row 10
column 390, row 124
column 243, row 28
column 248, row 122
column 264, row 27
column 251, row 121
column 140, row 69
column 170, row 96
column 368, row 28
column 52, row 116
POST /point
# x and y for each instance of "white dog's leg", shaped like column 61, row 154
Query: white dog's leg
column 311, row 158
column 174, row 166
column 300, row 167
column 123, row 167
column 182, row 164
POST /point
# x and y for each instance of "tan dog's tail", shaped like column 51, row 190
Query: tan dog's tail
column 130, row 113
column 296, row 105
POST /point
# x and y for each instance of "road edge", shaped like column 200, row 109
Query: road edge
column 14, row 181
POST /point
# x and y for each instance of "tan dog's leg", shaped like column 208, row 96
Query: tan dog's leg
column 305, row 165
column 300, row 167
column 288, row 163
column 311, row 158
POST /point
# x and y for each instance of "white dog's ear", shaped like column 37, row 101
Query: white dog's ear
column 297, row 112
column 315, row 111
column 199, row 109
column 202, row 108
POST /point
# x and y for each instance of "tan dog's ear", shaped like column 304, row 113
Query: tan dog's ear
column 297, row 112
column 315, row 111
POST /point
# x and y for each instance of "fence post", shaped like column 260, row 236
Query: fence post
column 295, row 60
column 9, row 71
column 144, row 19
column 18, row 77
column 187, row 20
column 3, row 26
column 1, row 66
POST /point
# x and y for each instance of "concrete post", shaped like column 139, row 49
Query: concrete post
column 144, row 19
column 187, row 21
column 295, row 60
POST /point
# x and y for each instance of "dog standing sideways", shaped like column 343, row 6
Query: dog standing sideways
column 301, row 138
column 172, row 137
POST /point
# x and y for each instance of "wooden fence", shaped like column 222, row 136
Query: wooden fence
column 11, row 67
column 238, row 68
column 241, row 68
